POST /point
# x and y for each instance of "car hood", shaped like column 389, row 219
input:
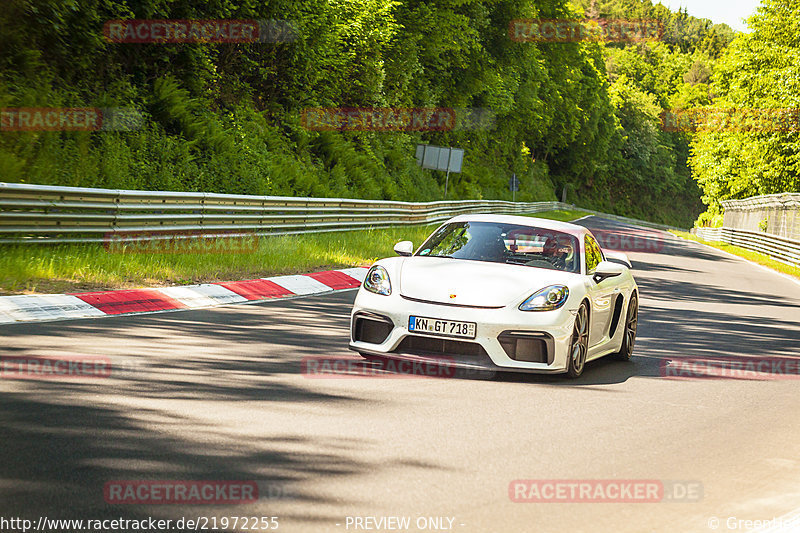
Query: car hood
column 473, row 283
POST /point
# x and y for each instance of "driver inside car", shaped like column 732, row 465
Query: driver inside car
column 558, row 254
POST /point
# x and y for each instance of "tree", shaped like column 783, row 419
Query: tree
column 758, row 73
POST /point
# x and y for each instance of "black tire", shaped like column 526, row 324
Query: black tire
column 629, row 336
column 579, row 343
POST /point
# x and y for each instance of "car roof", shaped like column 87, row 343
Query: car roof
column 565, row 227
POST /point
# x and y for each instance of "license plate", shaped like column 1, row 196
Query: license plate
column 435, row 326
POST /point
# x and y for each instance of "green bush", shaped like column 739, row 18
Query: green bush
column 226, row 117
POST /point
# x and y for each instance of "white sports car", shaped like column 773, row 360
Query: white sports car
column 498, row 292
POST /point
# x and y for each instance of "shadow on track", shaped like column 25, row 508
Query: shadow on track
column 68, row 438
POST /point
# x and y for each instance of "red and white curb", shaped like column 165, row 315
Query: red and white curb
column 46, row 307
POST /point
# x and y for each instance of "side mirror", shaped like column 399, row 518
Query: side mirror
column 404, row 248
column 607, row 269
column 617, row 257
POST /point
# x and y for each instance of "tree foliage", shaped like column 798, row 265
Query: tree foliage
column 227, row 117
column 760, row 71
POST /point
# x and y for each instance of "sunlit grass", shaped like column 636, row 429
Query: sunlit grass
column 755, row 257
column 86, row 267
column 563, row 215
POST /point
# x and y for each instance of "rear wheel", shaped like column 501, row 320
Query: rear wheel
column 579, row 344
column 631, row 322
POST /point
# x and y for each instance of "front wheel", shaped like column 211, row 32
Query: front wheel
column 579, row 344
column 631, row 322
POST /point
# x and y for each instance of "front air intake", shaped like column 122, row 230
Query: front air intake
column 436, row 347
column 371, row 328
column 528, row 347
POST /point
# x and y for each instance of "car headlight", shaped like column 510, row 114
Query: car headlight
column 548, row 299
column 377, row 281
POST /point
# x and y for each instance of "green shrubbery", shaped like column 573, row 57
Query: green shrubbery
column 757, row 73
column 226, row 117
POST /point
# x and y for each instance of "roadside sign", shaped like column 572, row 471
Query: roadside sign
column 439, row 158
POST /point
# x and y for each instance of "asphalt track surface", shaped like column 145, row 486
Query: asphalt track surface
column 219, row 394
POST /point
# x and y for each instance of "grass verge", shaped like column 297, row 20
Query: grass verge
column 28, row 269
column 563, row 215
column 755, row 257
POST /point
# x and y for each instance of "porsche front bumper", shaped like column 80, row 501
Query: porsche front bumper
column 506, row 338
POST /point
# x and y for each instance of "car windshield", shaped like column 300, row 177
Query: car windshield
column 504, row 243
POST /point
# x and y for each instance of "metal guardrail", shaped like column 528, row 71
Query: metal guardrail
column 37, row 213
column 780, row 249
column 48, row 214
column 776, row 214
column 768, row 224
